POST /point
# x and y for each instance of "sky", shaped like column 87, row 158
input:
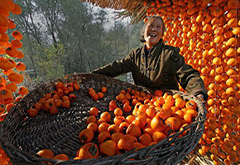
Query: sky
column 111, row 16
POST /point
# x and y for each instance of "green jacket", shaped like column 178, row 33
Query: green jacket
column 160, row 68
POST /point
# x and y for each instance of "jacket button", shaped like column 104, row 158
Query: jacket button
column 165, row 77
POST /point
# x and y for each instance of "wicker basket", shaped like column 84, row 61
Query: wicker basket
column 21, row 136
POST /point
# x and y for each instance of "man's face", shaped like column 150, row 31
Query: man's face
column 153, row 32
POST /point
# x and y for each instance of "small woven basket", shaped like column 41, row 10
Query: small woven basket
column 22, row 137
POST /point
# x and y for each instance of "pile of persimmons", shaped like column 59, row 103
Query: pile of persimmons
column 140, row 120
column 134, row 119
column 207, row 33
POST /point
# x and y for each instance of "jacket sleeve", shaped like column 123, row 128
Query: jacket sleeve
column 117, row 67
column 188, row 77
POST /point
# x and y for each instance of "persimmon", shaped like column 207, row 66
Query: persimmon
column 179, row 114
column 189, row 117
column 16, row 78
column 66, row 104
column 86, row 135
column 108, row 148
column 125, row 101
column 140, row 121
column 120, row 97
column 91, row 91
column 118, row 120
column 20, row 66
column 194, row 112
column 58, row 102
column 173, row 122
column 5, row 93
column 53, row 110
column 45, row 153
column 127, row 107
column 138, row 145
column 112, row 105
column 93, row 126
column 145, row 139
column 113, row 129
column 61, row 157
column 103, row 136
column 134, row 101
column 48, row 96
column 59, row 85
column 88, row 150
column 76, row 86
column 191, row 104
column 104, row 89
column 91, row 119
column 116, row 136
column 32, row 112
column 158, row 136
column 103, row 127
column 48, row 104
column 123, row 127
column 133, row 130
column 118, row 112
column 100, row 95
column 22, row 90
column 148, row 130
column 130, row 119
column 93, row 111
column 157, row 123
column 105, row 116
column 180, row 103
column 72, row 97
column 164, row 113
column 125, row 143
column 95, row 96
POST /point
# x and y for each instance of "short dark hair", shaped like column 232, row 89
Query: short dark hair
column 144, row 27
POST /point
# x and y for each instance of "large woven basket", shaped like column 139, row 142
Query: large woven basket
column 21, row 136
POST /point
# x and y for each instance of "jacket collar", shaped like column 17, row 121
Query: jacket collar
column 156, row 49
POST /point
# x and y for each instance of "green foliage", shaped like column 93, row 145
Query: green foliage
column 50, row 65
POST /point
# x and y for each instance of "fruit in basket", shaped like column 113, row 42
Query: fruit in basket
column 108, row 148
column 86, row 135
column 93, row 111
column 113, row 128
column 145, row 139
column 45, row 153
column 87, row 151
column 173, row 122
column 100, row 95
column 104, row 89
column 125, row 143
column 116, row 136
column 133, row 130
column 157, row 123
column 105, row 116
column 32, row 112
column 66, row 104
column 61, row 157
column 112, row 105
column 158, row 136
column 91, row 119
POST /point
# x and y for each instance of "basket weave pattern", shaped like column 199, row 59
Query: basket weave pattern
column 21, row 136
